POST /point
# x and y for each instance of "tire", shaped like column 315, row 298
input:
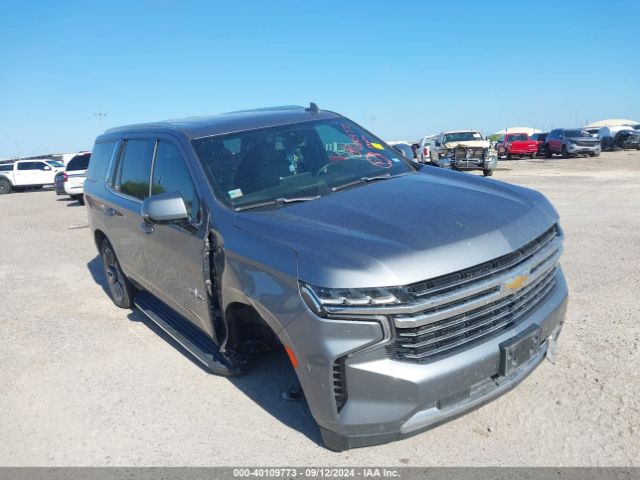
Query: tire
column 78, row 198
column 487, row 173
column 508, row 155
column 595, row 154
column 5, row 186
column 564, row 152
column 120, row 287
column 547, row 152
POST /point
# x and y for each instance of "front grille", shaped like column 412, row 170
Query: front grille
column 464, row 153
column 475, row 304
column 585, row 144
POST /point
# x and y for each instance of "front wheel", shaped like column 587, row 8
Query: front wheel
column 547, row 151
column 5, row 187
column 564, row 152
column 120, row 287
column 487, row 173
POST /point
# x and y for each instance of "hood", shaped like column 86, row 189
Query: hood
column 468, row 143
column 404, row 230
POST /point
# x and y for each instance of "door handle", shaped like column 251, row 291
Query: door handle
column 146, row 228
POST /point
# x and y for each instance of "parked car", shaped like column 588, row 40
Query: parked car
column 592, row 131
column 75, row 175
column 404, row 149
column 464, row 150
column 289, row 228
column 58, row 184
column 569, row 142
column 27, row 174
column 623, row 137
column 423, row 149
column 516, row 145
column 540, row 138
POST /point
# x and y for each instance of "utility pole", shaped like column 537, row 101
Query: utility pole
column 100, row 116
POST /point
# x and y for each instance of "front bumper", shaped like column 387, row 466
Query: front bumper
column 468, row 164
column 390, row 399
column 573, row 148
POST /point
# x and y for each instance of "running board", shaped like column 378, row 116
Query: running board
column 190, row 337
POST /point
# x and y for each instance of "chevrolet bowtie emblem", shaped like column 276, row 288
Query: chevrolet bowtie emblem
column 516, row 282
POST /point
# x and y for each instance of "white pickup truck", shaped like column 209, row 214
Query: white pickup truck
column 28, row 173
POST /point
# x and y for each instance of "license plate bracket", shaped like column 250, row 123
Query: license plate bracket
column 518, row 350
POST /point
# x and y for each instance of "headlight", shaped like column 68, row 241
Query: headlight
column 572, row 143
column 318, row 299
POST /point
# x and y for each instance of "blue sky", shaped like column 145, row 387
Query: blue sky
column 401, row 69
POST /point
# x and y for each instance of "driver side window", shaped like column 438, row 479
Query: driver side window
column 170, row 174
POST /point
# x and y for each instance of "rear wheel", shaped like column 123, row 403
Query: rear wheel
column 487, row 173
column 547, row 151
column 120, row 287
column 5, row 186
column 508, row 155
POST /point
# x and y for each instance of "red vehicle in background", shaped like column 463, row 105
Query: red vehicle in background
column 516, row 144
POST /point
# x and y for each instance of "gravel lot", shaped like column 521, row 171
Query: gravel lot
column 85, row 383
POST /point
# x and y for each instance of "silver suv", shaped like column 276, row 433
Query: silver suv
column 289, row 228
column 569, row 142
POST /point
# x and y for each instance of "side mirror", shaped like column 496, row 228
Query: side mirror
column 164, row 207
column 399, row 151
column 47, row 168
column 437, row 143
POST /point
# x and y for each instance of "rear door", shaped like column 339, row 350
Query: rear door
column 174, row 252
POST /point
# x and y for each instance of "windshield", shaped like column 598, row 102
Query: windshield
column 518, row 137
column 461, row 137
column 575, row 133
column 294, row 161
column 55, row 163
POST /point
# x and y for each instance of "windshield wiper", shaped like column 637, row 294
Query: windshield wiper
column 364, row 180
column 276, row 201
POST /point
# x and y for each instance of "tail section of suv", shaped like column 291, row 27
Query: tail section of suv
column 75, row 175
column 289, row 228
column 568, row 142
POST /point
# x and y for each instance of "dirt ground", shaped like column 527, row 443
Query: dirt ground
column 85, row 383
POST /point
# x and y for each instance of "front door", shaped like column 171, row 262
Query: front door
column 27, row 173
column 174, row 252
column 122, row 208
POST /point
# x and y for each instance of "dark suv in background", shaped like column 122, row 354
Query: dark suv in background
column 290, row 228
column 571, row 141
column 541, row 139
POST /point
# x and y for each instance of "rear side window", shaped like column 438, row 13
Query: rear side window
column 79, row 162
column 134, row 169
column 6, row 168
column 26, row 166
column 170, row 174
column 101, row 158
